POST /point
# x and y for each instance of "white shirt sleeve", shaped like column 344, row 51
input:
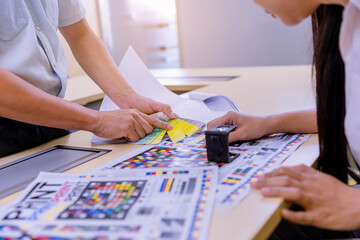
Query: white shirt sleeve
column 349, row 46
column 70, row 12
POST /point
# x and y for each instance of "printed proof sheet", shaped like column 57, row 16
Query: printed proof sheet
column 253, row 158
column 138, row 204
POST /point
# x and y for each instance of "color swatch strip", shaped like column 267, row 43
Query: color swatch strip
column 268, row 165
column 181, row 129
column 166, row 185
column 148, row 139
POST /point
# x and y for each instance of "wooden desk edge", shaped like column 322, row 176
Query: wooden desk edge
column 270, row 225
column 275, row 219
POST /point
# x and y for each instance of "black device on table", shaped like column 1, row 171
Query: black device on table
column 217, row 144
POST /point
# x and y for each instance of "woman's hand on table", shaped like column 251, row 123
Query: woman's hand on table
column 327, row 202
column 247, row 127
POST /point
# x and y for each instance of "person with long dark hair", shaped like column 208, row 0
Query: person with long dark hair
column 324, row 199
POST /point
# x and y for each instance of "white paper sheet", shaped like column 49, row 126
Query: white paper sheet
column 137, row 204
column 144, row 83
column 216, row 103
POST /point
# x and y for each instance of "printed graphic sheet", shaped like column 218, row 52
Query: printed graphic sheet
column 255, row 158
column 138, row 204
column 188, row 152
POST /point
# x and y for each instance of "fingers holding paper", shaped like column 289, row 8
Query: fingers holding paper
column 325, row 199
column 128, row 123
column 146, row 105
column 161, row 107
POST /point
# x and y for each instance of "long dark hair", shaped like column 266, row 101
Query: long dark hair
column 330, row 90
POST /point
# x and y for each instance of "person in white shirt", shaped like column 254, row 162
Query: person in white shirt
column 33, row 75
column 326, row 201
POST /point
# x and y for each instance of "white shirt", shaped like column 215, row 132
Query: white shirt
column 29, row 45
column 350, row 50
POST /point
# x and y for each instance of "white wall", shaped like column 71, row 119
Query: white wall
column 148, row 25
column 215, row 33
column 225, row 33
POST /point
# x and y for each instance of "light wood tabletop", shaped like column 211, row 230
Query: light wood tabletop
column 257, row 90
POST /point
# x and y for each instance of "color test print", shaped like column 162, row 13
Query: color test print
column 268, row 165
column 116, row 199
column 166, row 157
column 242, row 171
column 198, row 219
column 154, row 137
column 166, row 185
column 230, row 181
column 109, row 205
column 21, row 233
column 237, row 175
column 194, row 141
column 181, row 129
column 165, row 172
column 99, row 228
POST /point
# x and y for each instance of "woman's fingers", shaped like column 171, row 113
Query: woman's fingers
column 291, row 172
column 228, row 118
column 299, row 217
column 291, row 194
column 234, row 136
column 215, row 122
column 305, row 169
column 280, row 181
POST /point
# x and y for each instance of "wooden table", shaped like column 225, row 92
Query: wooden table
column 259, row 91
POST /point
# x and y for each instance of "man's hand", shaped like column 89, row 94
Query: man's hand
column 128, row 123
column 327, row 202
column 247, row 127
column 145, row 105
column 101, row 68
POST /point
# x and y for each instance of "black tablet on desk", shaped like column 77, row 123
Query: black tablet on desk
column 17, row 174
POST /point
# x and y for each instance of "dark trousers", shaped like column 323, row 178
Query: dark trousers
column 17, row 136
column 287, row 230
